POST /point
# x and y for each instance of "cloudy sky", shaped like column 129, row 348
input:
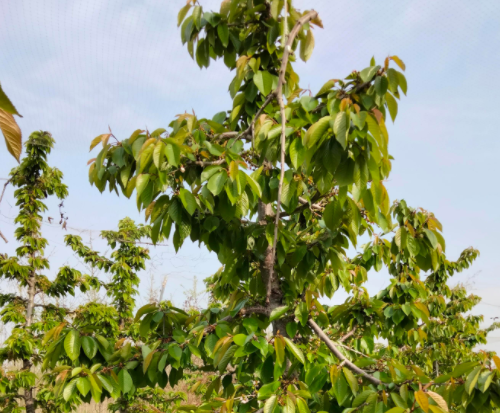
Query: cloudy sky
column 75, row 68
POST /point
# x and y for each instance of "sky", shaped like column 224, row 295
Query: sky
column 78, row 68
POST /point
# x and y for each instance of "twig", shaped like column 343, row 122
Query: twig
column 1, row 197
column 279, row 94
column 349, row 334
column 249, row 131
column 331, row 346
column 4, row 187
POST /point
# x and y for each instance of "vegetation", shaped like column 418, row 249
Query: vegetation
column 34, row 181
column 281, row 192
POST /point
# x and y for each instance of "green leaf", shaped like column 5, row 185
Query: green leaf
column 392, row 105
column 270, row 404
column 361, row 398
column 141, row 183
column 316, row 131
column 277, row 313
column 472, row 378
column 307, row 46
column 353, row 382
column 294, row 350
column 69, row 390
column 431, row 237
column 341, row 129
column 148, row 308
column 182, row 13
column 89, row 347
column 216, row 182
column 297, row 153
column 463, row 368
column 254, row 186
column 83, row 385
column 175, row 351
column 209, row 171
column 197, row 16
column 402, row 82
column 368, row 73
column 223, row 32
column 72, row 344
column 332, row 215
column 125, row 381
column 264, row 82
column 302, row 406
column 279, row 346
column 327, row 87
column 188, row 200
column 173, row 154
column 240, row 339
column 396, row 410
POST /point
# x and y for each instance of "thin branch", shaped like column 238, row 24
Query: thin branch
column 279, row 94
column 331, row 346
column 349, row 334
column 1, row 197
column 248, row 132
column 4, row 187
column 207, row 163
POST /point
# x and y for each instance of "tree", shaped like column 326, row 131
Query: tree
column 280, row 191
column 34, row 181
column 94, row 321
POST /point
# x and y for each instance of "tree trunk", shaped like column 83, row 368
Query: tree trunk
column 276, row 297
column 29, row 398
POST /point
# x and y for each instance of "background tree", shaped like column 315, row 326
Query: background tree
column 280, row 192
column 34, row 181
column 94, row 321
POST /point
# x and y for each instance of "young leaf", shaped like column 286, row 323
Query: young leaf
column 307, row 46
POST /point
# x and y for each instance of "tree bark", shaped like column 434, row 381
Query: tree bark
column 269, row 277
column 27, row 364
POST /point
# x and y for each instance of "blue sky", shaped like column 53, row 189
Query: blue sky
column 73, row 68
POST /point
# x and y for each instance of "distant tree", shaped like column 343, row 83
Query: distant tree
column 30, row 318
column 280, row 192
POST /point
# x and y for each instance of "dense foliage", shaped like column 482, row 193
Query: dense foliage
column 280, row 192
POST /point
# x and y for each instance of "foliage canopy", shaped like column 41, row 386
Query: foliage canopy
column 281, row 192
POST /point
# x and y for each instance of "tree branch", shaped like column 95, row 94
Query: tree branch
column 331, row 346
column 349, row 334
column 279, row 94
column 4, row 187
column 1, row 197
column 247, row 133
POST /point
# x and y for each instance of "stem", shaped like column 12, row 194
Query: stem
column 331, row 346
column 279, row 95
